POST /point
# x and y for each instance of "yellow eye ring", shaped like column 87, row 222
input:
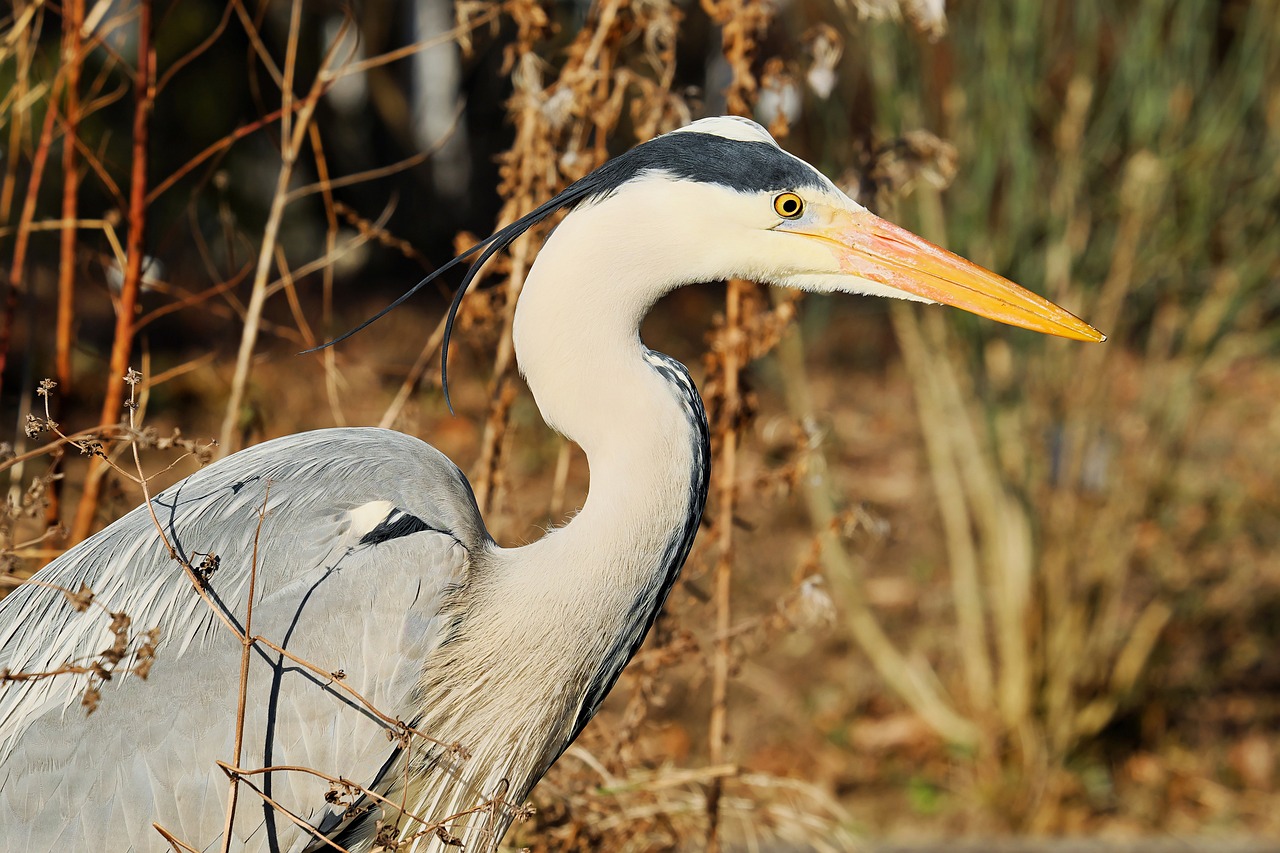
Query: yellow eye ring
column 788, row 206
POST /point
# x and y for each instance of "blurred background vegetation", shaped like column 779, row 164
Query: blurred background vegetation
column 982, row 583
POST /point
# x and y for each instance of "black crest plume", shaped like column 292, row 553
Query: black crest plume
column 703, row 157
column 490, row 245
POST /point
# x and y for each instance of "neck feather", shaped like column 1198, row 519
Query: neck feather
column 596, row 584
column 578, row 344
column 639, row 419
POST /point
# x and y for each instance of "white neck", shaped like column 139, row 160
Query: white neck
column 578, row 344
column 596, row 583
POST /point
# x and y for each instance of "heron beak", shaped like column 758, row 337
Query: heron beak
column 877, row 250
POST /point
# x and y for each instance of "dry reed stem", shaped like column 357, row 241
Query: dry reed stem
column 1003, row 527
column 113, row 396
column 979, row 516
column 345, row 783
column 25, row 33
column 191, row 300
column 428, row 826
column 956, row 519
column 372, row 232
column 291, row 296
column 414, row 376
column 278, row 808
column 175, row 842
column 332, row 378
column 218, row 147
column 17, row 267
column 104, row 225
column 290, row 146
column 72, row 59
column 336, row 678
column 914, row 683
column 196, row 52
column 730, row 351
column 742, row 22
column 242, row 694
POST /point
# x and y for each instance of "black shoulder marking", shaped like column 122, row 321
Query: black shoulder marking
column 397, row 523
column 734, row 163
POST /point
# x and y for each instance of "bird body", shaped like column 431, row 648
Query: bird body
column 377, row 610
column 370, row 556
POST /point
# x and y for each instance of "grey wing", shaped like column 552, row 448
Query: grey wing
column 365, row 535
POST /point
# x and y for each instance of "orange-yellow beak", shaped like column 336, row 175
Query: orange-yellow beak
column 874, row 249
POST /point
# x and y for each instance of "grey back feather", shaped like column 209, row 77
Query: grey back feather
column 343, row 580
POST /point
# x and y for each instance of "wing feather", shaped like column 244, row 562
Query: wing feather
column 373, row 610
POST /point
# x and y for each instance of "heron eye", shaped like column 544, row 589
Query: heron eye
column 788, row 205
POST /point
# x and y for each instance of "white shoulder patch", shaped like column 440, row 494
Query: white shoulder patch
column 366, row 517
column 730, row 127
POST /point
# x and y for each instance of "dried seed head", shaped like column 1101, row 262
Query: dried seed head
column 825, row 47
column 90, row 699
column 207, row 567
column 447, row 838
column 81, row 598
column 812, row 606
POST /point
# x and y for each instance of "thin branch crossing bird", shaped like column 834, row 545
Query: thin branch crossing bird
column 371, row 554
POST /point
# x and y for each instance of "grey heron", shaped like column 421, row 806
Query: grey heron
column 371, row 556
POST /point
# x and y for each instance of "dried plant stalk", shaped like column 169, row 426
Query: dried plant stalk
column 73, row 59
column 135, row 255
column 731, row 346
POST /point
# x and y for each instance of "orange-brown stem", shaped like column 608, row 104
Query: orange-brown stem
column 143, row 91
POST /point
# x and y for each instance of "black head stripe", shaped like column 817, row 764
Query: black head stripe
column 746, row 166
column 749, row 167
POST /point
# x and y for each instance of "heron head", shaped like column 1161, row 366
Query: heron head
column 730, row 202
column 720, row 199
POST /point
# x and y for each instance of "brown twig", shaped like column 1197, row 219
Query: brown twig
column 279, row 808
column 173, row 840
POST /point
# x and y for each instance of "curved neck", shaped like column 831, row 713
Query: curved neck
column 639, row 419
column 578, row 344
